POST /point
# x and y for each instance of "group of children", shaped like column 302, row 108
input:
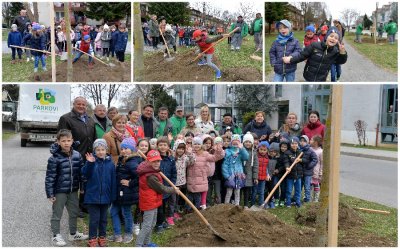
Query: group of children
column 208, row 169
column 321, row 51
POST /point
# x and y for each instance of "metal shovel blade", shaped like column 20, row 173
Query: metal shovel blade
column 169, row 58
column 216, row 234
column 111, row 64
column 256, row 208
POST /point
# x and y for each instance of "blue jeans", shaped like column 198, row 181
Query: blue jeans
column 258, row 189
column 307, row 188
column 297, row 191
column 42, row 59
column 78, row 55
column 288, row 76
column 336, row 71
column 126, row 210
column 97, row 220
column 187, row 42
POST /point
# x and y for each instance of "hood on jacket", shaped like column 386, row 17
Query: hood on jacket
column 262, row 125
column 145, row 168
column 315, row 125
column 56, row 148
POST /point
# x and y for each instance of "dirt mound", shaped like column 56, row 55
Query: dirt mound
column 99, row 73
column 240, row 227
column 159, row 69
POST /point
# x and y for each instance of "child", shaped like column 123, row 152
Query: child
column 316, row 142
column 218, row 177
column 38, row 41
column 169, row 36
column 97, row 41
column 204, row 43
column 121, row 40
column 100, row 191
column 168, row 168
column 197, row 182
column 62, row 184
column 208, row 143
column 273, row 170
column 280, row 170
column 15, row 38
column 143, row 145
column 309, row 160
column 113, row 40
column 28, row 30
column 250, row 167
column 151, row 189
column 232, row 169
column 60, row 40
column 284, row 45
column 263, row 175
column 322, row 35
column 296, row 173
column 105, row 42
column 127, row 190
column 310, row 36
column 320, row 56
column 85, row 46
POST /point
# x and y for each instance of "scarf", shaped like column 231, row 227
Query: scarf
column 284, row 39
column 120, row 136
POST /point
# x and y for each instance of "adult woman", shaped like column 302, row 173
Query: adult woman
column 291, row 126
column 314, row 126
column 259, row 126
column 190, row 126
column 154, row 31
column 203, row 122
column 115, row 136
column 133, row 126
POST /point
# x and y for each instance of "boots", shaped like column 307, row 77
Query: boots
column 92, row 242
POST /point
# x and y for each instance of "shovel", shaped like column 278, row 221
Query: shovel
column 110, row 64
column 166, row 46
column 254, row 208
column 216, row 234
column 215, row 43
column 256, row 57
column 42, row 51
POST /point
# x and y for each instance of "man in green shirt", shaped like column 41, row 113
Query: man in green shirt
column 178, row 121
column 257, row 28
column 359, row 30
column 164, row 125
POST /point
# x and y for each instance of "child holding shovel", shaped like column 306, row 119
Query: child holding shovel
column 38, row 41
column 84, row 46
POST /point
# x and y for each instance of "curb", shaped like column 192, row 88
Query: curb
column 393, row 159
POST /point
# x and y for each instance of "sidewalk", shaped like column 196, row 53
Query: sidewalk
column 369, row 153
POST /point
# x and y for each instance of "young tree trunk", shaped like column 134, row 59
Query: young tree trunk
column 70, row 72
column 52, row 42
column 138, row 73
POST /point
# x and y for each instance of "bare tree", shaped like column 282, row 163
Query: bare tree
column 247, row 11
column 33, row 16
column 100, row 93
column 348, row 16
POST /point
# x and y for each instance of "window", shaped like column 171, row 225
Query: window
column 278, row 90
column 209, row 94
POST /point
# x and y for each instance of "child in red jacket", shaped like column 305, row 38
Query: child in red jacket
column 310, row 36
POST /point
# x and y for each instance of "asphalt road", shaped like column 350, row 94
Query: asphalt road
column 27, row 212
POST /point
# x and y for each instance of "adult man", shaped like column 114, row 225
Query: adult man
column 237, row 37
column 148, row 122
column 164, row 125
column 359, row 30
column 391, row 29
column 178, row 121
column 228, row 122
column 21, row 21
column 257, row 27
column 102, row 123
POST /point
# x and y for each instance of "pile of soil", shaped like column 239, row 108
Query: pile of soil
column 239, row 227
column 82, row 73
column 158, row 69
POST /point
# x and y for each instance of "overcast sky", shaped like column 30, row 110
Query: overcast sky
column 363, row 7
column 234, row 6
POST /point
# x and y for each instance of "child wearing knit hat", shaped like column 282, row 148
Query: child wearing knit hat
column 105, row 38
column 100, row 191
column 250, row 167
column 310, row 36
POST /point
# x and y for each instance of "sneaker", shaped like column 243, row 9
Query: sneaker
column 92, row 242
column 272, row 205
column 237, row 48
column 165, row 55
column 58, row 240
column 281, row 204
column 127, row 238
column 338, row 79
column 102, row 241
column 44, row 69
column 165, row 225
column 136, row 229
column 115, row 238
column 108, row 59
column 77, row 236
column 177, row 216
column 232, row 48
column 218, row 74
column 276, row 203
column 170, row 221
column 202, row 63
column 27, row 59
column 203, row 207
column 151, row 245
column 288, row 206
column 160, row 229
column 13, row 62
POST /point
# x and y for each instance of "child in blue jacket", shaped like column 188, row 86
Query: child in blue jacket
column 100, row 191
column 38, row 41
column 15, row 38
column 121, row 40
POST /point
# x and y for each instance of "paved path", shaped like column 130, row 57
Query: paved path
column 358, row 68
column 369, row 153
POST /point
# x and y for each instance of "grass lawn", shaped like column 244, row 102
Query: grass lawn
column 381, row 54
column 7, row 135
column 370, row 147
column 269, row 39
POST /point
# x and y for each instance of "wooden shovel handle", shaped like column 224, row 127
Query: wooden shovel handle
column 42, row 51
column 282, row 178
column 94, row 57
column 165, row 42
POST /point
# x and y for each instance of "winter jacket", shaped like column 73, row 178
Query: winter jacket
column 126, row 170
column 204, row 127
column 312, row 129
column 83, row 132
column 163, row 128
column 14, row 38
column 105, row 39
column 391, row 28
column 218, row 170
column 319, row 58
column 136, row 131
column 197, row 173
column 149, row 198
column 359, row 29
column 280, row 165
column 308, row 160
column 257, row 25
column 101, row 186
column 307, row 41
column 27, row 42
column 168, row 168
column 100, row 131
column 243, row 28
column 277, row 51
column 38, row 42
column 251, row 167
column 154, row 29
column 318, row 169
column 288, row 159
column 114, row 145
column 234, row 128
column 182, row 163
column 259, row 129
column 294, row 131
column 272, row 165
column 113, row 40
column 63, row 171
column 21, row 22
column 177, row 124
column 205, row 43
column 262, row 167
column 121, row 41
column 151, row 121
column 233, row 162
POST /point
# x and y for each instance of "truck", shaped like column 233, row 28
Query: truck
column 39, row 109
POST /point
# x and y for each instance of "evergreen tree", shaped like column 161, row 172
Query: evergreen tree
column 367, row 22
column 161, row 98
column 12, row 89
column 395, row 12
column 108, row 11
column 174, row 13
column 275, row 11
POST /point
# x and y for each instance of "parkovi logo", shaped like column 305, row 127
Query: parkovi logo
column 46, row 96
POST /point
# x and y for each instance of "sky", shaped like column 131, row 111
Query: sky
column 234, row 6
column 363, row 7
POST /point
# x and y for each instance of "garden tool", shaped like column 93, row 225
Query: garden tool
column 256, row 57
column 43, row 51
column 169, row 58
column 94, row 57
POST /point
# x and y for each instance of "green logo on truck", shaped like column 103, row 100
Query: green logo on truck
column 46, row 98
